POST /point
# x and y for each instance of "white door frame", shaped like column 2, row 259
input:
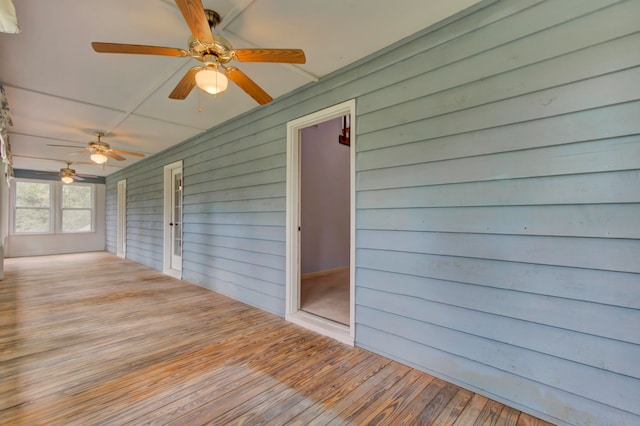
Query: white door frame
column 169, row 266
column 121, row 226
column 343, row 333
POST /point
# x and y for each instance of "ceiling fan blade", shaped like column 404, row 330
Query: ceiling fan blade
column 76, row 177
column 185, row 85
column 137, row 49
column 119, row 151
column 113, row 155
column 248, row 85
column 287, row 56
column 64, row 146
column 193, row 13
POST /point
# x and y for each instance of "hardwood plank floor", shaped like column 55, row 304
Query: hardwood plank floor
column 92, row 339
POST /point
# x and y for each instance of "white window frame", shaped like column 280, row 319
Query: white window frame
column 92, row 208
column 15, row 209
column 55, row 207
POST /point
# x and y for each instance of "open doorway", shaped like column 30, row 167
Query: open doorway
column 320, row 222
column 324, row 221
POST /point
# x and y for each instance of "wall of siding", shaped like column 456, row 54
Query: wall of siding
column 498, row 204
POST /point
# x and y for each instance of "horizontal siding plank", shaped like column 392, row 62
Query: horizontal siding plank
column 246, row 244
column 274, row 305
column 610, row 89
column 275, row 175
column 490, row 381
column 584, row 188
column 271, row 233
column 146, row 223
column 551, row 371
column 597, row 352
column 257, row 191
column 587, row 157
column 227, row 139
column 275, row 276
column 251, row 219
column 585, row 317
column 502, row 43
column 215, row 253
column 593, row 253
column 144, row 257
column 505, row 73
column 611, row 288
column 230, row 277
column 215, row 161
column 221, row 151
column 261, row 205
column 264, row 164
column 477, row 32
column 606, row 122
column 147, row 209
column 601, row 220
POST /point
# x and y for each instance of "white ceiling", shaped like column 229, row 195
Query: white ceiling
column 60, row 91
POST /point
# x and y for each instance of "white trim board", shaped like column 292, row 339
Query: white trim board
column 166, row 264
column 292, row 298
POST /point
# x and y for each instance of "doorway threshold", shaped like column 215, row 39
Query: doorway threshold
column 173, row 273
column 326, row 327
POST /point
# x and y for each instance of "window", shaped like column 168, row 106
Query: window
column 33, row 207
column 53, row 207
column 77, row 208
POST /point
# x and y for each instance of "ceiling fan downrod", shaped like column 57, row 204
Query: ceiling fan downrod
column 212, row 17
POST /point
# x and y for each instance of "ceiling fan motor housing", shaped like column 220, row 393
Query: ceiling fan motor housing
column 99, row 146
column 219, row 49
column 218, row 52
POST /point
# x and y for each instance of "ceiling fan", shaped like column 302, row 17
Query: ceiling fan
column 68, row 175
column 214, row 51
column 100, row 151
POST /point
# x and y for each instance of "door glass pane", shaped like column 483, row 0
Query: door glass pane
column 177, row 243
column 177, row 214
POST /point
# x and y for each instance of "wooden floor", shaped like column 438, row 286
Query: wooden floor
column 91, row 339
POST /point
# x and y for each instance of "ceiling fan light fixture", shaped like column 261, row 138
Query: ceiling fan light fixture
column 212, row 81
column 67, row 179
column 98, row 158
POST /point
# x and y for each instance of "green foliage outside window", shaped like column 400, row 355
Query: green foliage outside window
column 76, row 197
column 31, row 194
column 77, row 202
column 32, row 207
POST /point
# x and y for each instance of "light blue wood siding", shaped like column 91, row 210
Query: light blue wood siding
column 498, row 204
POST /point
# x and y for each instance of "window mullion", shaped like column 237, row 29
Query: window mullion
column 57, row 207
